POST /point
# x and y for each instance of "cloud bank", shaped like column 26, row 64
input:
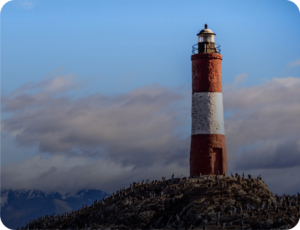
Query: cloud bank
column 264, row 125
column 137, row 128
column 108, row 141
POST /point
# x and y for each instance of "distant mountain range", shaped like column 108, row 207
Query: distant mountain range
column 18, row 207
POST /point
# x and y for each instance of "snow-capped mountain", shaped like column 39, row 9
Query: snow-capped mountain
column 18, row 207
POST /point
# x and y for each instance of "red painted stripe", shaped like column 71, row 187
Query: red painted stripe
column 206, row 73
column 208, row 154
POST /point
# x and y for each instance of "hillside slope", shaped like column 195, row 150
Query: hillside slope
column 202, row 202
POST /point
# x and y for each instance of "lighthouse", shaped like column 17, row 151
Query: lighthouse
column 208, row 147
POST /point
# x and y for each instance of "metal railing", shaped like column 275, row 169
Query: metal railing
column 217, row 49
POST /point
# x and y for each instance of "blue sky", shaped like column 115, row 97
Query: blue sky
column 136, row 43
column 65, row 61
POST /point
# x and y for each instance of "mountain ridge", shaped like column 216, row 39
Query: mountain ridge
column 19, row 206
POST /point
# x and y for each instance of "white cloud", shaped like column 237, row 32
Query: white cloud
column 263, row 130
column 26, row 4
column 133, row 128
column 4, row 198
column 240, row 78
column 295, row 63
column 59, row 83
column 111, row 141
column 70, row 175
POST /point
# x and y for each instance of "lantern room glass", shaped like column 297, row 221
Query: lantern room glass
column 206, row 38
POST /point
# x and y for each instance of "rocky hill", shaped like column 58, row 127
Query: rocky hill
column 205, row 202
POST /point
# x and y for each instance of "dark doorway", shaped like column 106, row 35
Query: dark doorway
column 217, row 153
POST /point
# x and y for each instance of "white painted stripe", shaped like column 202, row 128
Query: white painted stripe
column 207, row 113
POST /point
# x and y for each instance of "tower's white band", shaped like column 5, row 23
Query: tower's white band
column 207, row 113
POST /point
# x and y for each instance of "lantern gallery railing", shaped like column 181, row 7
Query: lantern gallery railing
column 216, row 49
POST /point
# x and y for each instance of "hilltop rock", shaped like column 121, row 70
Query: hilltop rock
column 201, row 202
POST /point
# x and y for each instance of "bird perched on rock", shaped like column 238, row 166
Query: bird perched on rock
column 258, row 177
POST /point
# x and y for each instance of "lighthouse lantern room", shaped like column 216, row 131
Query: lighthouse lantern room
column 206, row 41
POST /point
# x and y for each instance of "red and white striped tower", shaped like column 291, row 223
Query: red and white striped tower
column 208, row 148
